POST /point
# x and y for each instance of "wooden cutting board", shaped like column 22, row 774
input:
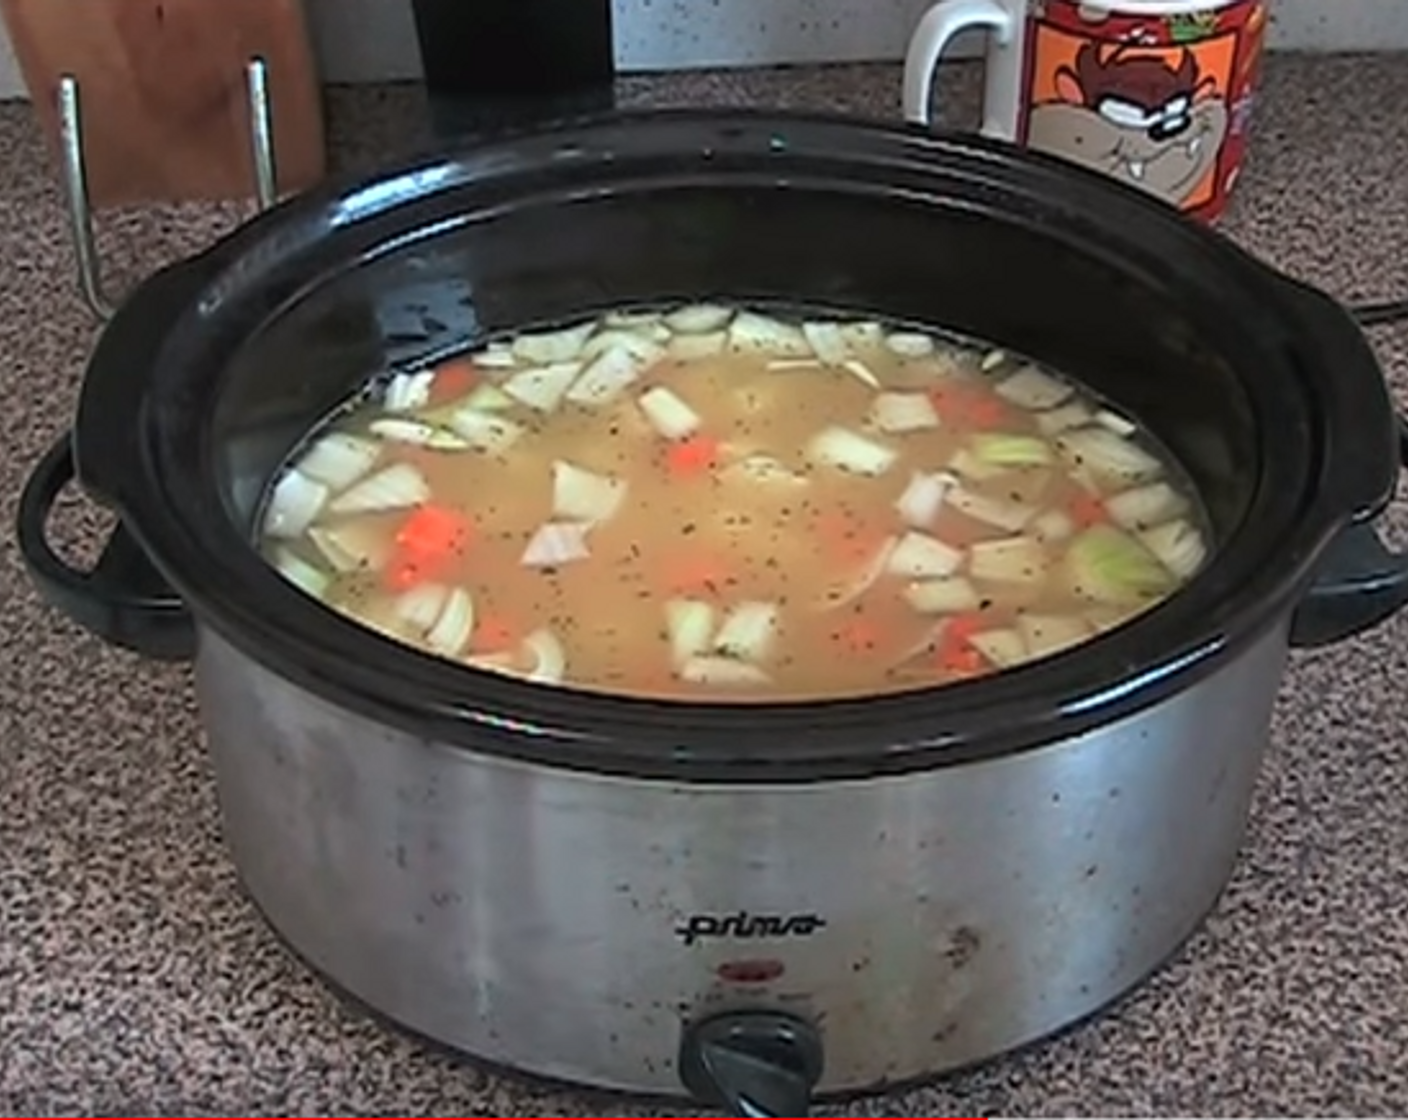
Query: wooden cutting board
column 162, row 91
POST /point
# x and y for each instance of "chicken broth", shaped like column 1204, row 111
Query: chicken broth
column 714, row 503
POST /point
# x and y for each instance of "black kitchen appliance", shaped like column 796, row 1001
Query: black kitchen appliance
column 491, row 64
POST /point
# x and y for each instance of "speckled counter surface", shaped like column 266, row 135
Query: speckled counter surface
column 135, row 978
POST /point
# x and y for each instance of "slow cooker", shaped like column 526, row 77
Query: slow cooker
column 752, row 904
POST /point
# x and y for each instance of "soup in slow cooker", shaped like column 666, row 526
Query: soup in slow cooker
column 718, row 503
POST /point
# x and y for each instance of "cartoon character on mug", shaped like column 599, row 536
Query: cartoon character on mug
column 1148, row 117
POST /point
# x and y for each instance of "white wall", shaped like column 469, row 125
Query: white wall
column 374, row 40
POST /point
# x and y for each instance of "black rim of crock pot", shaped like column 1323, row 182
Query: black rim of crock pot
column 1250, row 586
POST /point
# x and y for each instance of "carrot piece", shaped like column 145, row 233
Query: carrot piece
column 961, row 627
column 954, row 654
column 453, row 380
column 1088, row 510
column 426, row 544
column 493, row 634
column 402, row 573
column 963, row 660
column 693, row 455
column 434, row 530
column 968, row 406
column 847, row 537
column 697, row 575
column 859, row 635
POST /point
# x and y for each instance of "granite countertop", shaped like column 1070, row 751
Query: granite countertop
column 136, row 979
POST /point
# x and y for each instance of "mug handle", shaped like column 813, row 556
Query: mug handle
column 926, row 47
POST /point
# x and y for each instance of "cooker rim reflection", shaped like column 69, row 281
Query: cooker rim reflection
column 1208, row 621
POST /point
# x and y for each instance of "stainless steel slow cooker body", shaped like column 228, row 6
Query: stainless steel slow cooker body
column 572, row 924
column 744, row 903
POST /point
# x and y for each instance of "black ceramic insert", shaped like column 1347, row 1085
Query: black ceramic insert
column 1266, row 390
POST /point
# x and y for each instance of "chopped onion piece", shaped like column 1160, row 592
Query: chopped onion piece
column 557, row 542
column 497, row 355
column 645, row 350
column 863, row 335
column 549, row 658
column 828, row 342
column 668, row 414
column 846, row 594
column 1004, row 648
column 752, row 332
column 338, row 460
column 903, row 412
column 452, row 629
column 919, row 555
column 354, row 546
column 544, row 387
column 748, row 631
column 910, row 344
column 1001, row 513
column 1115, row 422
column 492, row 435
column 1046, row 634
column 1062, row 419
column 488, row 398
column 308, row 578
column 1011, row 560
column 1145, row 506
column 420, row 607
column 1106, row 618
column 690, row 623
column 785, row 365
column 1110, row 566
column 699, row 318
column 1086, row 481
column 582, row 495
column 406, row 391
column 1000, row 449
column 646, row 325
column 686, row 347
column 942, row 596
column 992, row 359
column 1030, row 388
column 295, row 503
column 395, row 487
column 858, row 369
column 964, row 462
column 847, row 451
column 762, row 469
column 1108, row 455
column 926, row 643
column 1053, row 525
column 554, row 346
column 632, row 320
column 1179, row 547
column 501, row 662
column 606, row 378
column 722, row 671
column 923, row 498
column 419, row 433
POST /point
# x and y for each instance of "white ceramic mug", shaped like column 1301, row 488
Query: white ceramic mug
column 1156, row 93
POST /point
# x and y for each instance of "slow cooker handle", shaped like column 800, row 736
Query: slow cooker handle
column 122, row 598
column 1358, row 584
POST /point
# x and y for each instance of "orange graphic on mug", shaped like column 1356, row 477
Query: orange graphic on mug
column 1155, row 117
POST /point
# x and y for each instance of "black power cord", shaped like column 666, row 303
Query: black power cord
column 1380, row 314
